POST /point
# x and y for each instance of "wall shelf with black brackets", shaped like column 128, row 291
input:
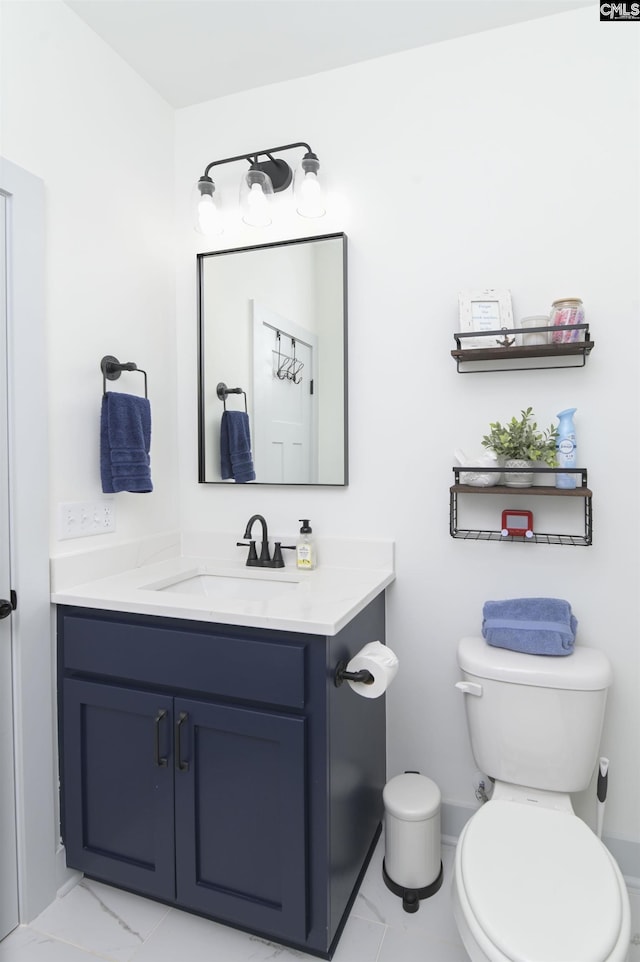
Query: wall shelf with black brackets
column 502, row 349
column 580, row 491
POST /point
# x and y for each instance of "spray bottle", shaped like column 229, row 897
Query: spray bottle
column 566, row 447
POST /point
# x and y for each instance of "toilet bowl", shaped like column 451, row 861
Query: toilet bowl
column 535, row 884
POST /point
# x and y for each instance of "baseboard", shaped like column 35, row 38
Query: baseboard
column 453, row 819
column 67, row 878
column 627, row 855
column 626, row 852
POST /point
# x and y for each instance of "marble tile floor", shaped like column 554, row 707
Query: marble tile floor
column 96, row 922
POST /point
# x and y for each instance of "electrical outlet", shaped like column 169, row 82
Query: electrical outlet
column 82, row 519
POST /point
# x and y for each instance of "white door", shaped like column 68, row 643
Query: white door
column 284, row 418
column 8, row 850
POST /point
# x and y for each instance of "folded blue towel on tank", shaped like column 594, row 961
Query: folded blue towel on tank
column 536, row 626
column 125, row 441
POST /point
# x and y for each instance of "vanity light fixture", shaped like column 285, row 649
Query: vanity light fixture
column 259, row 183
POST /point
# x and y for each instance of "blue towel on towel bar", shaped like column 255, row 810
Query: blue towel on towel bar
column 235, row 447
column 537, row 626
column 125, row 441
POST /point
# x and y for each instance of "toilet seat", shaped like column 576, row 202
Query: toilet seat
column 566, row 905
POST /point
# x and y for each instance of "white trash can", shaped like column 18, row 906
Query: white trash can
column 412, row 866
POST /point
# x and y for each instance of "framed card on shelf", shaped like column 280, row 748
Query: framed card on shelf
column 487, row 310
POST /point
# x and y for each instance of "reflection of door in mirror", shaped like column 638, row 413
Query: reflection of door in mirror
column 286, row 298
column 285, row 415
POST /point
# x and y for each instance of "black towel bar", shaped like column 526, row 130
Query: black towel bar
column 112, row 369
column 222, row 391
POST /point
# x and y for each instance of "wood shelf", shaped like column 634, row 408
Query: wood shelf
column 535, row 489
column 520, row 352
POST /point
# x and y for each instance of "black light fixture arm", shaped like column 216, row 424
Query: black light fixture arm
column 253, row 156
column 277, row 169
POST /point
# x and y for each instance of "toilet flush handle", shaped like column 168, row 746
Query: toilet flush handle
column 469, row 687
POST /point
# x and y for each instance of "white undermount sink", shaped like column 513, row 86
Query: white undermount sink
column 223, row 587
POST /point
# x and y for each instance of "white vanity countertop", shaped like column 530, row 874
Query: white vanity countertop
column 322, row 601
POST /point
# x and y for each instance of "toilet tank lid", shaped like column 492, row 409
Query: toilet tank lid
column 585, row 669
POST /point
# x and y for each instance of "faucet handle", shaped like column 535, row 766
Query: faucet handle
column 252, row 558
column 278, row 560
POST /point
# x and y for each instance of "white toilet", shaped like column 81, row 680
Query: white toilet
column 532, row 882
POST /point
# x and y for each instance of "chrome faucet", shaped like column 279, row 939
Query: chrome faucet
column 264, row 561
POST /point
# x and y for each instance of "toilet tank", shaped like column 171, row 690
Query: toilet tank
column 534, row 720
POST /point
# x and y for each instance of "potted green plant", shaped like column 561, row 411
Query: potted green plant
column 520, row 443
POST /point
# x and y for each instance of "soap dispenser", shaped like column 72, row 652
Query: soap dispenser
column 305, row 548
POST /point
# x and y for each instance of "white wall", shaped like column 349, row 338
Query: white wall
column 76, row 115
column 510, row 160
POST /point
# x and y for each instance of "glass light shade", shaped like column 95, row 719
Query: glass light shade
column 256, row 193
column 307, row 191
column 207, row 210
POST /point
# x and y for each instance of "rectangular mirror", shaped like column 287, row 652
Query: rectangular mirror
column 273, row 342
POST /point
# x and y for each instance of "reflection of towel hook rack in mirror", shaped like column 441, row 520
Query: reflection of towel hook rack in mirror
column 296, row 365
column 222, row 391
column 281, row 372
column 284, row 361
column 287, row 367
column 112, row 369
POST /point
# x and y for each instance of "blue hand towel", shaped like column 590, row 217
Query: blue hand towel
column 235, row 447
column 537, row 626
column 125, row 441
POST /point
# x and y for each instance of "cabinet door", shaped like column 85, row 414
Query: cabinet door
column 240, row 816
column 118, row 786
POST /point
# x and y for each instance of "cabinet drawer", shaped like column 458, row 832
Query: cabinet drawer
column 263, row 670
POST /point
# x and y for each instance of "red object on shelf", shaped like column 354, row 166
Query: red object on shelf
column 517, row 523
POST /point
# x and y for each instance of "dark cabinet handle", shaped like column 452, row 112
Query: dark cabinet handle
column 159, row 761
column 180, row 764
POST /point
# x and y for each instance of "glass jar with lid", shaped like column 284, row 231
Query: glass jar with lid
column 566, row 311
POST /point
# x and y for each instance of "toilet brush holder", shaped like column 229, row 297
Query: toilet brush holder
column 412, row 866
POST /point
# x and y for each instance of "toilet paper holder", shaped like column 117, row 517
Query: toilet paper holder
column 341, row 675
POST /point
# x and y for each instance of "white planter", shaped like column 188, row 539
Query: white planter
column 519, row 479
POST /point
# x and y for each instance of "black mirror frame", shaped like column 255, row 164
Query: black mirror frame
column 200, row 258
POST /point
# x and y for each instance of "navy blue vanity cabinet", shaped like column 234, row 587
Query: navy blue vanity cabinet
column 118, row 800
column 219, row 769
column 240, row 817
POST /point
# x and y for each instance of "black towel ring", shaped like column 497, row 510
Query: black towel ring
column 222, row 391
column 112, row 369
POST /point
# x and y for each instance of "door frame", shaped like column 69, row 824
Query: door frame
column 8, row 835
column 32, row 645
